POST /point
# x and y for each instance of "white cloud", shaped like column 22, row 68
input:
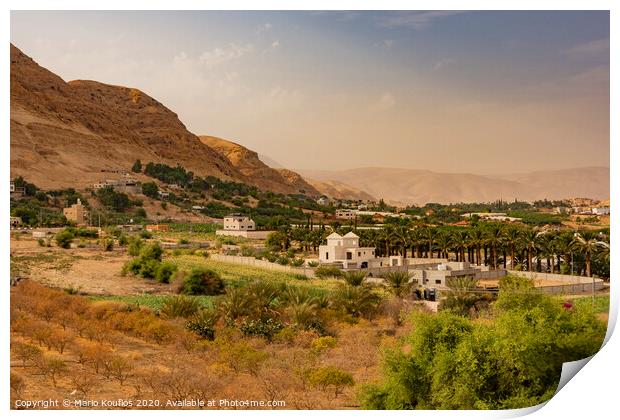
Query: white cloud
column 385, row 102
column 221, row 55
column 591, row 48
column 415, row 20
column 388, row 43
column 444, row 62
column 265, row 27
column 275, row 44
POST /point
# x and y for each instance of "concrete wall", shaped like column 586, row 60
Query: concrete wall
column 250, row 234
column 568, row 279
column 572, row 284
column 251, row 261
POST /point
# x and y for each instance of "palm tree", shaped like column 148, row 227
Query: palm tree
column 444, row 243
column 588, row 243
column 401, row 234
column 460, row 240
column 511, row 238
column 416, row 239
column 354, row 278
column 530, row 243
column 547, row 248
column 430, row 234
column 476, row 239
column 355, row 300
column 494, row 238
column 398, row 282
column 564, row 246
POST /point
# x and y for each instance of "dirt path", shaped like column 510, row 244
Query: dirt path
column 90, row 271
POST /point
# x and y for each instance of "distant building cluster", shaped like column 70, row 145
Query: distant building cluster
column 499, row 217
column 126, row 184
column 584, row 210
column 377, row 216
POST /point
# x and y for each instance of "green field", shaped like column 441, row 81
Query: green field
column 238, row 275
column 151, row 301
column 601, row 303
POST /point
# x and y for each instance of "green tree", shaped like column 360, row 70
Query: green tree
column 588, row 244
column 64, row 239
column 150, row 189
column 137, row 166
column 201, row 281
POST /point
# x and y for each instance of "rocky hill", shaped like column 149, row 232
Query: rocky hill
column 72, row 134
column 248, row 163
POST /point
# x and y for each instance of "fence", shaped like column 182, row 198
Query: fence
column 251, row 261
column 570, row 284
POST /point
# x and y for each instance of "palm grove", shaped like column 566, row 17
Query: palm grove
column 496, row 244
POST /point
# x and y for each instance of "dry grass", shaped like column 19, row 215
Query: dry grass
column 109, row 350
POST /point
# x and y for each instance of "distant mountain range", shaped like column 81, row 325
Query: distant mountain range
column 411, row 186
column 72, row 134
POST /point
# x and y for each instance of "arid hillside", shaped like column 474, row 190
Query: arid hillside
column 65, row 134
column 248, row 163
column 340, row 190
column 410, row 186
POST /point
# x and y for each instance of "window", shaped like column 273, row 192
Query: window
column 359, row 254
column 349, row 255
column 437, row 281
column 327, row 255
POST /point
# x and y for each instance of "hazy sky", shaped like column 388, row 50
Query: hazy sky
column 480, row 92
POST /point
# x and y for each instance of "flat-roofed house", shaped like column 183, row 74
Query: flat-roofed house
column 237, row 224
column 346, row 250
column 76, row 213
column 237, row 221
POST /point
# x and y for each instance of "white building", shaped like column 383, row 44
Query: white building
column 239, row 225
column 600, row 211
column 346, row 250
column 237, row 221
column 346, row 214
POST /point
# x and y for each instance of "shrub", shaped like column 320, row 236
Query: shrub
column 355, row 300
column 325, row 271
column 247, row 251
column 201, row 281
column 398, row 282
column 64, row 239
column 180, row 306
column 145, row 234
column 354, row 278
column 17, row 384
column 135, row 245
column 297, row 262
column 330, row 377
column 266, row 328
column 123, row 240
column 513, row 362
column 313, row 263
column 150, row 189
column 41, row 242
column 283, row 260
column 203, row 323
column 137, row 166
column 151, row 252
column 107, row 245
column 323, row 343
column 165, row 271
